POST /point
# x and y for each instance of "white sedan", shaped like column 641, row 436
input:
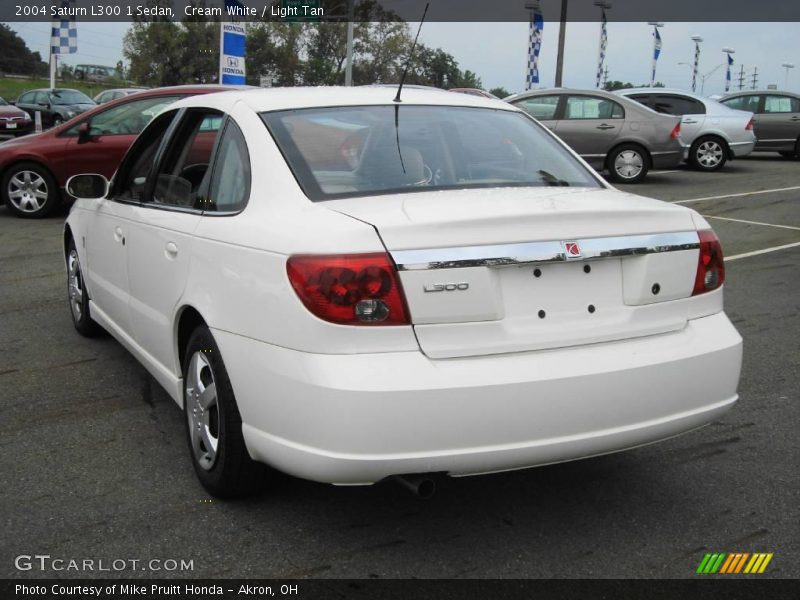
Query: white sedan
column 346, row 288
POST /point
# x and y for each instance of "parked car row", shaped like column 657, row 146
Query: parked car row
column 626, row 133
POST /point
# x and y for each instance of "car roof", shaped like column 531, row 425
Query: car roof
column 712, row 105
column 759, row 92
column 270, row 99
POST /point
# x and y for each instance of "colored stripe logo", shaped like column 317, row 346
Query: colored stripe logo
column 733, row 563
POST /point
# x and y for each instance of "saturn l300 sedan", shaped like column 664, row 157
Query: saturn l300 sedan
column 346, row 288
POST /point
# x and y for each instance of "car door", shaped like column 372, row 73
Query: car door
column 542, row 108
column 42, row 104
column 590, row 124
column 26, row 103
column 109, row 233
column 691, row 111
column 162, row 228
column 111, row 133
column 779, row 122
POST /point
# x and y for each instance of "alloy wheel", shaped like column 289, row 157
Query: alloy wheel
column 709, row 154
column 27, row 191
column 75, row 285
column 202, row 410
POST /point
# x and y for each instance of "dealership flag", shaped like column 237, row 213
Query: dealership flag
column 231, row 49
column 696, row 65
column 656, row 54
column 64, row 34
column 728, row 74
column 603, row 45
column 534, row 46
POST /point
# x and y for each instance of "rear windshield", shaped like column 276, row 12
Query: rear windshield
column 70, row 97
column 367, row 150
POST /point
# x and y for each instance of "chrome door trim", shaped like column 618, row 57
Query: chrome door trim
column 542, row 252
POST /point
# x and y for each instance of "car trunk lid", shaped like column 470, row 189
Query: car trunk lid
column 520, row 269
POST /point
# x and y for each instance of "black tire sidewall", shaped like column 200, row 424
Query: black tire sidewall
column 86, row 326
column 234, row 473
column 695, row 163
column 612, row 157
column 50, row 204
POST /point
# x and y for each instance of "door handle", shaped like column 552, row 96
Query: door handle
column 689, row 121
column 171, row 249
column 604, row 126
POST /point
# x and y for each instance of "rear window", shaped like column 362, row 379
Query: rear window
column 369, row 150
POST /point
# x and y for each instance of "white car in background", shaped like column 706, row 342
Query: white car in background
column 714, row 132
column 347, row 288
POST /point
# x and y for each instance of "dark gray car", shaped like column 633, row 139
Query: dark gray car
column 55, row 105
column 776, row 119
column 608, row 131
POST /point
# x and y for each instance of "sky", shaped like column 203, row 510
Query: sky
column 497, row 52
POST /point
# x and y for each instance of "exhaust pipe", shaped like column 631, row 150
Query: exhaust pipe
column 422, row 487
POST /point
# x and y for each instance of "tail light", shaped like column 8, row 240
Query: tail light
column 710, row 266
column 676, row 132
column 349, row 289
column 749, row 126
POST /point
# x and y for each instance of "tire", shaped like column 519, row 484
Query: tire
column 214, row 425
column 708, row 153
column 78, row 296
column 627, row 163
column 29, row 190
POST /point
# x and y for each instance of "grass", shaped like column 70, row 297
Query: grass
column 11, row 88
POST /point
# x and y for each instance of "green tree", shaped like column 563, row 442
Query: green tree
column 16, row 57
column 153, row 49
column 617, row 85
column 500, row 92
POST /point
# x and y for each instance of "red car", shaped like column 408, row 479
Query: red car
column 34, row 169
column 14, row 121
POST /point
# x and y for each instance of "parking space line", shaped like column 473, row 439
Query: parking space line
column 722, row 197
column 752, row 222
column 764, row 251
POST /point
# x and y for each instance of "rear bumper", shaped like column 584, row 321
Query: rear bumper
column 740, row 149
column 666, row 160
column 356, row 419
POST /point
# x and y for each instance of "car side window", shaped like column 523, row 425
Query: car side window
column 41, row 98
column 182, row 171
column 641, row 99
column 132, row 176
column 592, row 107
column 126, row 119
column 230, row 181
column 678, row 105
column 781, row 104
column 26, row 98
column 748, row 103
column 539, row 107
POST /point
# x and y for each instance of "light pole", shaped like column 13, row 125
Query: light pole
column 707, row 75
column 656, row 49
column 348, row 70
column 729, row 60
column 604, row 6
column 696, row 66
column 562, row 35
column 787, row 66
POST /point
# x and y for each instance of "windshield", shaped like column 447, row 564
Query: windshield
column 3, row 102
column 70, row 97
column 367, row 150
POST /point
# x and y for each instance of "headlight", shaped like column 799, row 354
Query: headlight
column 26, row 117
column 71, row 113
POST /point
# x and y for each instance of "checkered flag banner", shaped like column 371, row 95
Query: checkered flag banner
column 696, row 65
column 728, row 74
column 64, row 36
column 534, row 44
column 603, row 46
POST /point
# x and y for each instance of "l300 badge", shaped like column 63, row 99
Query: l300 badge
column 446, row 287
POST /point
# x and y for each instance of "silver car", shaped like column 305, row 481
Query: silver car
column 777, row 119
column 608, row 131
column 715, row 133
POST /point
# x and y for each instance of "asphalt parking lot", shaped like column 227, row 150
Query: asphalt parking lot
column 95, row 463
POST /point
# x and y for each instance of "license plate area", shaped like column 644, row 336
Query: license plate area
column 11, row 125
column 568, row 292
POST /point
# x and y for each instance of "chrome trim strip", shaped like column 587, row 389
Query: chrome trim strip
column 542, row 252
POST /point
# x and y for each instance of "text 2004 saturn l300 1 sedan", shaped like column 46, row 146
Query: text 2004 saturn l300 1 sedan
column 346, row 288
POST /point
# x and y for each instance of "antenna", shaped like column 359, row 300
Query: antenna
column 411, row 55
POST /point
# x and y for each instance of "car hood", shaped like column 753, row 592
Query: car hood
column 11, row 111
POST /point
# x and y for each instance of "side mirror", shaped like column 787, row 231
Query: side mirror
column 87, row 187
column 84, row 132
